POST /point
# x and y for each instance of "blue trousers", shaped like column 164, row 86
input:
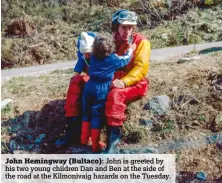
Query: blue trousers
column 93, row 103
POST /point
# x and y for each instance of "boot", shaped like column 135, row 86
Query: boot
column 97, row 146
column 72, row 134
column 114, row 134
column 85, row 135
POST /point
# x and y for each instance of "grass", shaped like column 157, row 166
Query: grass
column 59, row 23
column 32, row 93
column 7, row 111
column 39, row 94
column 133, row 133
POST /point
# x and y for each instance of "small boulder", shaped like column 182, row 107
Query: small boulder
column 201, row 176
column 146, row 122
column 187, row 59
column 12, row 145
column 5, row 102
column 159, row 105
column 40, row 139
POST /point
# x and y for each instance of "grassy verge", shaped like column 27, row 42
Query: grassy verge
column 38, row 103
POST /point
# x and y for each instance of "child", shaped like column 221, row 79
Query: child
column 103, row 64
column 73, row 99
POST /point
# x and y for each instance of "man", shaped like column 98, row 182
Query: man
column 130, row 83
column 73, row 100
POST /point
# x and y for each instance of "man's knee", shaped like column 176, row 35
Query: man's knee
column 115, row 95
column 143, row 86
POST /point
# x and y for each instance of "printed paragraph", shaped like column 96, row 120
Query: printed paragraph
column 129, row 168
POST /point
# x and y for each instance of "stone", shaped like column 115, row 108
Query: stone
column 5, row 102
column 14, row 127
column 196, row 87
column 12, row 145
column 40, row 139
column 146, row 122
column 150, row 150
column 186, row 59
column 201, row 176
column 159, row 105
column 219, row 144
column 30, row 146
column 164, row 36
column 218, row 119
column 21, row 152
column 29, row 137
column 174, row 89
column 26, row 118
column 217, row 125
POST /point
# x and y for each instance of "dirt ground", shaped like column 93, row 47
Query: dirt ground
column 195, row 91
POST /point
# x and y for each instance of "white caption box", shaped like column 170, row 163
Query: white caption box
column 83, row 168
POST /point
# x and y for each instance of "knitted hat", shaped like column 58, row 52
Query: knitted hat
column 86, row 42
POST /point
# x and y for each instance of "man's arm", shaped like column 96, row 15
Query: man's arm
column 141, row 64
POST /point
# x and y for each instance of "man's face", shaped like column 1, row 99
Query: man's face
column 125, row 31
column 87, row 55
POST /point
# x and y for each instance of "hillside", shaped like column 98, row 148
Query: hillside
column 39, row 32
column 191, row 127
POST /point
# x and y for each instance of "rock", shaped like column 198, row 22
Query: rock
column 174, row 89
column 15, row 120
column 26, row 118
column 196, row 87
column 37, row 149
column 201, row 176
column 193, row 181
column 12, row 145
column 21, row 152
column 29, row 137
column 194, row 101
column 219, row 144
column 22, row 147
column 40, row 139
column 14, row 127
column 218, row 119
column 30, row 146
column 5, row 102
column 149, row 150
column 217, row 124
column 159, row 105
column 80, row 150
column 164, row 36
column 186, row 59
column 146, row 122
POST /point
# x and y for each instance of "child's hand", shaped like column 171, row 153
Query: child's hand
column 133, row 46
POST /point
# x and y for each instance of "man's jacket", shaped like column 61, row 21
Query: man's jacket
column 138, row 67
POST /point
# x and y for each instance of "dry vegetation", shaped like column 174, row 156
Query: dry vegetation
column 40, row 32
column 47, row 32
column 194, row 88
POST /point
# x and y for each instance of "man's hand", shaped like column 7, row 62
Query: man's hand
column 118, row 83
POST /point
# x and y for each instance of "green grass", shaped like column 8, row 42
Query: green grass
column 8, row 110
